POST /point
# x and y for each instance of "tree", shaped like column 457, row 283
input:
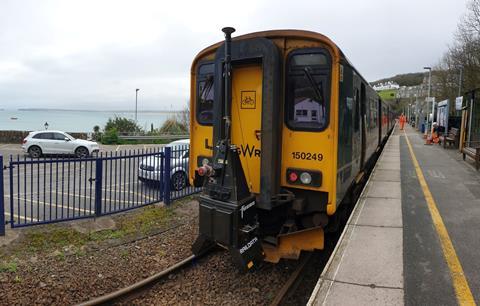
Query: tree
column 184, row 116
column 122, row 125
column 96, row 133
column 173, row 126
column 462, row 58
column 464, row 53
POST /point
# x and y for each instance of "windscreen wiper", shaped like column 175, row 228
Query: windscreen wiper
column 206, row 88
column 314, row 86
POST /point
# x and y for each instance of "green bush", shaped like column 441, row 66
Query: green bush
column 110, row 136
column 122, row 125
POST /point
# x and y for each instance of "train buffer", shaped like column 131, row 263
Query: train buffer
column 413, row 237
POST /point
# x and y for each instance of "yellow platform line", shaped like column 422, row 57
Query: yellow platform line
column 462, row 289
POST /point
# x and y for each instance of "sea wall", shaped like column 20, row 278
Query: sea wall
column 17, row 136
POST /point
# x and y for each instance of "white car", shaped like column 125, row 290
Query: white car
column 39, row 143
column 150, row 167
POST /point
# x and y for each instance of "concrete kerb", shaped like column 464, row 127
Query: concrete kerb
column 10, row 236
column 325, row 283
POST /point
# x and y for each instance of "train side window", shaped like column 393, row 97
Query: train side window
column 205, row 94
column 356, row 119
column 307, row 96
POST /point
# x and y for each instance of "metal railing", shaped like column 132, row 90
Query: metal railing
column 50, row 190
column 153, row 137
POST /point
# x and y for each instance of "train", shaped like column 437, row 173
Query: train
column 283, row 128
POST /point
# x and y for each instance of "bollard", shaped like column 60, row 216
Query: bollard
column 2, row 201
column 166, row 176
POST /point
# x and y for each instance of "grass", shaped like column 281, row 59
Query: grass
column 387, row 94
column 58, row 236
column 10, row 267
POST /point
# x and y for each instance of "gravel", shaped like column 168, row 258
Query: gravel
column 58, row 279
column 214, row 280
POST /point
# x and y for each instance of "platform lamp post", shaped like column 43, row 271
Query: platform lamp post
column 136, row 103
column 428, row 96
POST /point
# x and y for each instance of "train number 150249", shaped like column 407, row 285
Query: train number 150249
column 307, row 156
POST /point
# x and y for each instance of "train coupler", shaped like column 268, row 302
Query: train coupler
column 233, row 226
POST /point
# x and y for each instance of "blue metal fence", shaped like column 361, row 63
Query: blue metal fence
column 2, row 201
column 58, row 189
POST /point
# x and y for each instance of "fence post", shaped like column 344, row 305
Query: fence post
column 2, row 202
column 98, row 186
column 166, row 175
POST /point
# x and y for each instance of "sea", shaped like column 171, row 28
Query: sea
column 75, row 120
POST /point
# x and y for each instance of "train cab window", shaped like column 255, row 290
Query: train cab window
column 205, row 94
column 307, row 96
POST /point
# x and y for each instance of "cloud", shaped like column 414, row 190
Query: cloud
column 93, row 54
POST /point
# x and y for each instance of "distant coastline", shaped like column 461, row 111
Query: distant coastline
column 32, row 119
column 94, row 111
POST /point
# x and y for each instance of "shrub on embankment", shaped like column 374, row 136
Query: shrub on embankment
column 123, row 126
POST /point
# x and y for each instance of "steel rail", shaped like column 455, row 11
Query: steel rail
column 121, row 293
column 289, row 285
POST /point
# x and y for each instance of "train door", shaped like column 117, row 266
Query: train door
column 379, row 121
column 357, row 135
column 247, row 119
column 363, row 124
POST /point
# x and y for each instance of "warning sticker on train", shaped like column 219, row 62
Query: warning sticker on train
column 248, row 100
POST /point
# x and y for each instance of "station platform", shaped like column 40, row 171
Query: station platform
column 414, row 236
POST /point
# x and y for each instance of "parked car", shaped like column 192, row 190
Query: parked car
column 39, row 143
column 150, row 167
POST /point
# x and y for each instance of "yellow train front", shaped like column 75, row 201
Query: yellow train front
column 282, row 127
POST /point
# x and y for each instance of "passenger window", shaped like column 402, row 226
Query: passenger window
column 44, row 136
column 308, row 81
column 205, row 94
column 58, row 136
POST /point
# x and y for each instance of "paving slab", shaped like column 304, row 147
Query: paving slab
column 381, row 212
column 389, row 159
column 389, row 166
column 350, row 294
column 384, row 189
column 374, row 256
column 386, row 175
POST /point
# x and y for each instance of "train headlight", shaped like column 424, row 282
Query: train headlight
column 305, row 178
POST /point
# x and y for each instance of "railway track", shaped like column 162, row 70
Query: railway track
column 293, row 291
column 131, row 292
column 310, row 264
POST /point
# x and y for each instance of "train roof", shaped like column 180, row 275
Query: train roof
column 283, row 33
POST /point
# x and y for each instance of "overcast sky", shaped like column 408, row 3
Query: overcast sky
column 93, row 54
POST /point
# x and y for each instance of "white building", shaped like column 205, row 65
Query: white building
column 386, row 86
column 308, row 110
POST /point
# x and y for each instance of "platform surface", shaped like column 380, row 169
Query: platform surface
column 392, row 251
